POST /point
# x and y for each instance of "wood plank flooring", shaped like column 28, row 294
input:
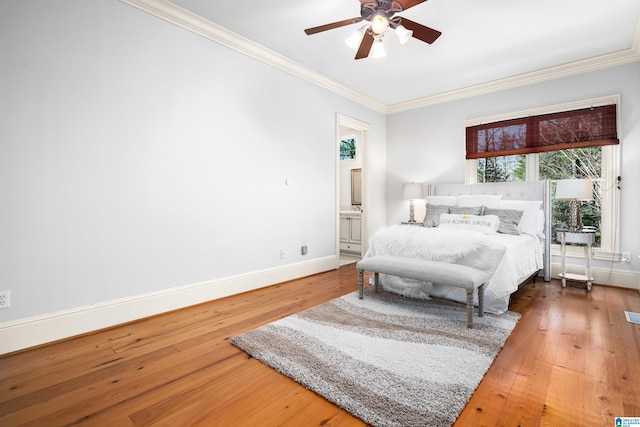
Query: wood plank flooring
column 572, row 360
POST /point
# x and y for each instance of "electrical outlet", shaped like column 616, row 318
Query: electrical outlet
column 626, row 257
column 5, row 300
column 281, row 253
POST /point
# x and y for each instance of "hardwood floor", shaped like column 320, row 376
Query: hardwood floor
column 572, row 360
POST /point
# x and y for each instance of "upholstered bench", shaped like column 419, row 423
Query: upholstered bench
column 441, row 273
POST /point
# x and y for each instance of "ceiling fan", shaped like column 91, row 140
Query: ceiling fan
column 379, row 15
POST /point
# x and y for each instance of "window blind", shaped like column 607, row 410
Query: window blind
column 586, row 127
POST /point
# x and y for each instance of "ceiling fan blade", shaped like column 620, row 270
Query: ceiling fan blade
column 426, row 34
column 331, row 26
column 406, row 4
column 365, row 45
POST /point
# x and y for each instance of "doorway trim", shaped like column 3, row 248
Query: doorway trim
column 364, row 129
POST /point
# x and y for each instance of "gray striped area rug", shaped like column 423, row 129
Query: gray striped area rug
column 389, row 360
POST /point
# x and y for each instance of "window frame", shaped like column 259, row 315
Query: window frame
column 610, row 214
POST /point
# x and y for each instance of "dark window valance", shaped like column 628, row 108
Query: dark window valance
column 586, row 127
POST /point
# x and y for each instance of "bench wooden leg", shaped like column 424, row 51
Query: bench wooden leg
column 360, row 284
column 375, row 281
column 469, row 308
column 481, row 300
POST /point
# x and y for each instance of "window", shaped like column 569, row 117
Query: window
column 575, row 163
column 502, row 168
column 348, row 149
column 579, row 142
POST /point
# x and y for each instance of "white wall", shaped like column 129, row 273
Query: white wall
column 137, row 157
column 428, row 144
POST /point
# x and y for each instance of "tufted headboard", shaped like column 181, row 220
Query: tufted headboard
column 517, row 190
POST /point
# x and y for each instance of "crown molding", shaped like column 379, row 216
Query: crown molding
column 195, row 23
column 570, row 69
column 635, row 45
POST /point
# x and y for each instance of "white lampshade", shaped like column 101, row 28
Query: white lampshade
column 574, row 189
column 403, row 34
column 412, row 191
column 378, row 49
column 354, row 41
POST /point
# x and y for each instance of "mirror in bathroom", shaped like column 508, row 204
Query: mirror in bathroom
column 356, row 187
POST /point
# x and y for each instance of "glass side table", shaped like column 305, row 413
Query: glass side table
column 585, row 238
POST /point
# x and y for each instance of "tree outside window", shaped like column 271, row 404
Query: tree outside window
column 579, row 163
column 348, row 149
column 502, row 169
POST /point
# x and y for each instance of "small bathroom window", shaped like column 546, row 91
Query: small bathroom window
column 348, row 149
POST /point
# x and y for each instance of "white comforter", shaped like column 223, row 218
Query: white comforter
column 505, row 259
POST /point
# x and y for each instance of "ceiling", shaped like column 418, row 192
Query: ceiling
column 484, row 44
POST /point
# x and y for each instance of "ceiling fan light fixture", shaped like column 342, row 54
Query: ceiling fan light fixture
column 378, row 49
column 354, row 40
column 378, row 16
column 379, row 23
column 403, row 34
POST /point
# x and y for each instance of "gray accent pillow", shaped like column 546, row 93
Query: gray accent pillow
column 432, row 218
column 464, row 210
column 509, row 219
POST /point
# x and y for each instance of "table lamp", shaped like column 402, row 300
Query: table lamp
column 412, row 191
column 574, row 191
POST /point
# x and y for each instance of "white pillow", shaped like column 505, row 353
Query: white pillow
column 490, row 201
column 487, row 224
column 442, row 200
column 530, row 209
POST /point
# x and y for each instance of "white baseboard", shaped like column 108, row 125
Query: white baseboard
column 604, row 277
column 29, row 332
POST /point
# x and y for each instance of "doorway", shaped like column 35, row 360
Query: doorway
column 351, row 188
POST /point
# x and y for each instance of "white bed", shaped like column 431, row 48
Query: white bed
column 507, row 260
